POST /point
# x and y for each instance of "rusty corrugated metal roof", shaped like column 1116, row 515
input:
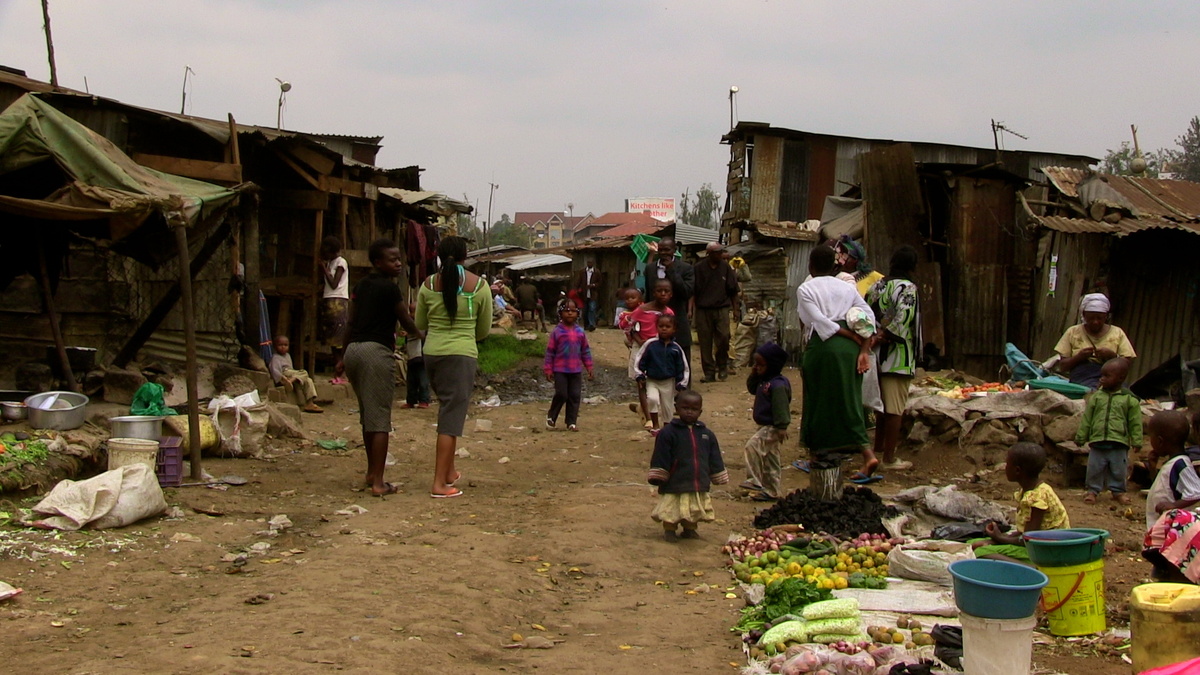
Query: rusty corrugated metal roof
column 1156, row 202
column 1123, row 227
column 1161, row 197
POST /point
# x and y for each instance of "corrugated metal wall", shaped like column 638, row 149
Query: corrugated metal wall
column 765, row 176
column 1150, row 276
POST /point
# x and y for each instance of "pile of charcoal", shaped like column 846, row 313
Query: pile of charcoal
column 859, row 510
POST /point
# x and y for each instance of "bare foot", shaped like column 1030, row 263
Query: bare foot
column 869, row 466
column 1121, row 498
column 1090, row 498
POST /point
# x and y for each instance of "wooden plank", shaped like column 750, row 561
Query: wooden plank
column 300, row 170
column 343, row 186
column 191, row 168
column 232, row 152
column 311, row 200
column 319, row 162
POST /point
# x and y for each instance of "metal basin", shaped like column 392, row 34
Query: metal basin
column 60, row 410
column 13, row 410
column 145, row 427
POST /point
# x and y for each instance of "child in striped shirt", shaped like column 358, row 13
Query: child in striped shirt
column 567, row 356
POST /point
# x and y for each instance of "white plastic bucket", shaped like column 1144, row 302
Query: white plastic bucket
column 122, row 451
column 997, row 646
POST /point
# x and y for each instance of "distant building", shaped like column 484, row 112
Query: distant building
column 607, row 226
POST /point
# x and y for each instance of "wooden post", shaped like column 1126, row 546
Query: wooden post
column 189, row 341
column 250, row 246
column 343, row 216
column 310, row 309
column 826, row 484
column 55, row 328
column 370, row 223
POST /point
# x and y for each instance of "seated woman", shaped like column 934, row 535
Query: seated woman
column 1085, row 347
column 1172, row 541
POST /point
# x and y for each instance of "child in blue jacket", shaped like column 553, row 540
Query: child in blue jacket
column 686, row 462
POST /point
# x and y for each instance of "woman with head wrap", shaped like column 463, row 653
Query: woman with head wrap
column 1085, row 347
column 853, row 260
column 772, row 413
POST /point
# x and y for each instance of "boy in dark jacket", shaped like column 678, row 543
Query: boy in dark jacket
column 1111, row 425
column 662, row 366
column 686, row 462
column 772, row 400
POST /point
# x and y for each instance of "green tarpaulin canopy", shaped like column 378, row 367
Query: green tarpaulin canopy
column 102, row 183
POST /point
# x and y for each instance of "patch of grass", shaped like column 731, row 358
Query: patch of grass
column 499, row 353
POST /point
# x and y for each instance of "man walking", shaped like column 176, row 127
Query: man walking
column 588, row 284
column 716, row 290
column 683, row 283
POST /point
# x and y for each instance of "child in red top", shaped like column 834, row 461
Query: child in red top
column 640, row 323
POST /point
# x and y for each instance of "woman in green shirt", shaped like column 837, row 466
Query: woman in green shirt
column 454, row 308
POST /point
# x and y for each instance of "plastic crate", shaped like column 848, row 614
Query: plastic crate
column 169, row 466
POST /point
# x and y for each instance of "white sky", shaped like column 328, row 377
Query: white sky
column 592, row 102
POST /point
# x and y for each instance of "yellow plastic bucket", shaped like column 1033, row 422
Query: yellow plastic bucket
column 123, row 451
column 1165, row 622
column 1074, row 599
column 178, row 425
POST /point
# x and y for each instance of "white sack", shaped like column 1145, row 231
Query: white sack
column 115, row 498
column 928, row 560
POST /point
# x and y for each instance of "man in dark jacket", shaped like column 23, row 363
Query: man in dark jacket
column 716, row 289
column 683, row 282
column 588, row 284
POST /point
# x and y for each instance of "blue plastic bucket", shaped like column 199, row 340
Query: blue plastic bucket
column 995, row 589
column 1064, row 548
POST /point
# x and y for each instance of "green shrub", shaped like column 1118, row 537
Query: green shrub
column 499, row 353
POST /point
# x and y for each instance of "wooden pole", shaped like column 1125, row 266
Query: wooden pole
column 189, row 341
column 344, row 216
column 310, row 309
column 55, row 327
column 49, row 43
column 253, row 256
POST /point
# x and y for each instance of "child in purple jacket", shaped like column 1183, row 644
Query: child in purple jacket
column 567, row 356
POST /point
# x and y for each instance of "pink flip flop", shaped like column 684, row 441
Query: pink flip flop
column 456, row 493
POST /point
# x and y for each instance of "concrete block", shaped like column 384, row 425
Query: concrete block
column 279, row 395
column 334, row 392
column 291, row 411
column 120, row 385
column 223, row 372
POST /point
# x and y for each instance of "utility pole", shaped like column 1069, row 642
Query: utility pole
column 49, row 43
column 488, row 223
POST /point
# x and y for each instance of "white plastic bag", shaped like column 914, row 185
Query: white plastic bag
column 241, row 423
column 928, row 560
column 115, row 498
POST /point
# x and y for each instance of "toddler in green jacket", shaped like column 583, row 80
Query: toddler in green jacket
column 1111, row 425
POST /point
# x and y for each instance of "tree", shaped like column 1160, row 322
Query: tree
column 505, row 231
column 701, row 210
column 1117, row 161
column 1185, row 162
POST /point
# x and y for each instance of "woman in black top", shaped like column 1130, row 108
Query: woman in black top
column 376, row 304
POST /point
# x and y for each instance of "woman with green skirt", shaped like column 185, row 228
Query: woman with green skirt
column 833, row 425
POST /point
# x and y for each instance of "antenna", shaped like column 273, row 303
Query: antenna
column 183, row 103
column 998, row 127
column 284, row 88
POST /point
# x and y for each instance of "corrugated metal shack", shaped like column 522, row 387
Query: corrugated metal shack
column 956, row 205
column 307, row 190
column 1135, row 239
column 778, row 260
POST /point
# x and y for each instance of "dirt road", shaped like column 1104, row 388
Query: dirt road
column 553, row 538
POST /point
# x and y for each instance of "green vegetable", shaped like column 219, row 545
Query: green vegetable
column 788, row 631
column 828, row 639
column 790, row 595
column 831, row 609
column 843, row 626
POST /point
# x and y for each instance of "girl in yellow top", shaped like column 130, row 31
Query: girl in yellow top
column 1087, row 345
column 1038, row 507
